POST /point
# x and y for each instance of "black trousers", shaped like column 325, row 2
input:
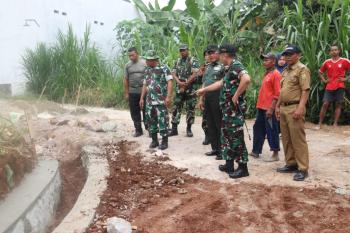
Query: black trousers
column 214, row 117
column 135, row 111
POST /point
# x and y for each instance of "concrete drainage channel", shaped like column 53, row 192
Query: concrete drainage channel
column 30, row 208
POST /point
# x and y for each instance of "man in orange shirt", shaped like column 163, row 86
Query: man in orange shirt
column 336, row 68
column 266, row 123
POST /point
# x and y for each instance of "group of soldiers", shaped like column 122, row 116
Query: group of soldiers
column 221, row 84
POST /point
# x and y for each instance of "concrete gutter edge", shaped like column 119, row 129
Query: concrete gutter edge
column 83, row 211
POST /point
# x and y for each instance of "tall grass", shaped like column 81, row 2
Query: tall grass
column 314, row 32
column 72, row 68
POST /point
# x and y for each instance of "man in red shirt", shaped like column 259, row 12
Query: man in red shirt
column 336, row 68
column 266, row 122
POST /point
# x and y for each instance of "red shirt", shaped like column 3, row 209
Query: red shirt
column 335, row 70
column 270, row 89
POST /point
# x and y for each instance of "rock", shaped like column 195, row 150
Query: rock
column 182, row 191
column 109, row 126
column 159, row 153
column 50, row 143
column 298, row 214
column 340, row 191
column 45, row 115
column 79, row 111
column 58, row 122
column 118, row 225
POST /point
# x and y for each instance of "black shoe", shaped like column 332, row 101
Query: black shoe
column 300, row 175
column 189, row 131
column 173, row 131
column 164, row 144
column 218, row 157
column 206, row 141
column 138, row 133
column 242, row 171
column 212, row 153
column 228, row 167
column 288, row 169
column 154, row 142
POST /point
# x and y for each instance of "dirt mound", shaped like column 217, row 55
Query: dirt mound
column 159, row 198
column 17, row 156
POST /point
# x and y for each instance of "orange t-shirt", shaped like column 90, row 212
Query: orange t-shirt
column 270, row 89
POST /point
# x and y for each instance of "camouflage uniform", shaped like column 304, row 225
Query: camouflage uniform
column 156, row 112
column 183, row 69
column 232, row 136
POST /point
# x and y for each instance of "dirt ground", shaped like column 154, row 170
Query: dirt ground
column 160, row 198
column 199, row 198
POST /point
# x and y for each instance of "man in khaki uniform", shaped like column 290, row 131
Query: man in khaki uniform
column 290, row 109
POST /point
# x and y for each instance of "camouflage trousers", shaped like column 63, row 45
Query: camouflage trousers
column 157, row 119
column 179, row 101
column 232, row 139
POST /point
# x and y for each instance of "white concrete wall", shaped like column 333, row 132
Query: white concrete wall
column 15, row 37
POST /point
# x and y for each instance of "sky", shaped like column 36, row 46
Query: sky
column 180, row 4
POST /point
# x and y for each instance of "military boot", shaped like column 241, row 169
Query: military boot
column 154, row 142
column 228, row 167
column 206, row 139
column 189, row 131
column 164, row 144
column 173, row 131
column 242, row 171
column 138, row 130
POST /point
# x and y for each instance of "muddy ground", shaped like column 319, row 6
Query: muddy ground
column 199, row 198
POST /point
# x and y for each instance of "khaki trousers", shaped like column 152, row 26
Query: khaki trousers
column 294, row 138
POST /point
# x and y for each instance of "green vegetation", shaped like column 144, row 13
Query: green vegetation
column 73, row 70
column 255, row 27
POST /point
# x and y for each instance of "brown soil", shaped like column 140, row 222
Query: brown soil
column 160, row 198
column 73, row 176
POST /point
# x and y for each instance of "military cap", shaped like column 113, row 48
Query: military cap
column 183, row 47
column 291, row 49
column 212, row 48
column 268, row 56
column 151, row 55
column 228, row 48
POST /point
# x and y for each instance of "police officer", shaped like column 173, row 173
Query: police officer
column 133, row 81
column 290, row 109
column 214, row 72
column 158, row 87
column 233, row 106
column 185, row 74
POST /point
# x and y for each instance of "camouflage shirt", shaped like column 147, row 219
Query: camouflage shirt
column 214, row 71
column 230, row 85
column 156, row 80
column 184, row 67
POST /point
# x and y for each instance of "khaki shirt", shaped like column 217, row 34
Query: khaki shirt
column 295, row 79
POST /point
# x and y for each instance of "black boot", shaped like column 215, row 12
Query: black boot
column 154, row 142
column 189, row 131
column 173, row 131
column 164, row 144
column 228, row 167
column 206, row 139
column 138, row 130
column 242, row 171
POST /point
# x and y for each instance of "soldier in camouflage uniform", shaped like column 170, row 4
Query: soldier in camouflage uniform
column 185, row 74
column 158, row 87
column 233, row 105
